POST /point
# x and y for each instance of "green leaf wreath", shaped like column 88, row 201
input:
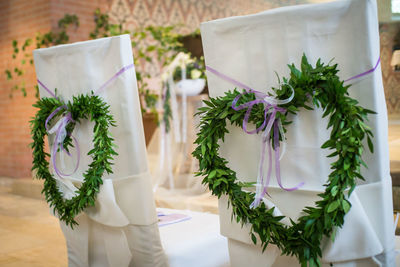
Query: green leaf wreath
column 317, row 86
column 81, row 107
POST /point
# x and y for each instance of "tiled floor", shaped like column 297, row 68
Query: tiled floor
column 31, row 236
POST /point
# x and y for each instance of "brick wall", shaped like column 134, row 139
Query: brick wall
column 21, row 19
column 83, row 9
column 18, row 19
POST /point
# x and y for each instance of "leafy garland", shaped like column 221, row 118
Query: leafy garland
column 167, row 112
column 81, row 107
column 323, row 87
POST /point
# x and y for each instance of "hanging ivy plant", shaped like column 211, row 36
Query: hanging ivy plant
column 317, row 86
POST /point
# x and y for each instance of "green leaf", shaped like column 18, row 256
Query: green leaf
column 333, row 154
column 346, row 166
column 253, row 238
column 334, row 191
column 8, row 74
column 212, row 174
column 333, row 234
column 346, row 205
column 224, row 114
column 235, row 116
column 370, row 145
column 203, row 149
column 327, row 144
column 293, row 109
column 333, row 206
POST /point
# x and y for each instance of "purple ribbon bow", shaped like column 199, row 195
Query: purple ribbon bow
column 60, row 127
column 61, row 134
column 270, row 120
column 271, row 108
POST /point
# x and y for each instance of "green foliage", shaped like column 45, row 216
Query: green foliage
column 159, row 41
column 104, row 28
column 21, row 56
column 321, row 86
column 81, row 107
column 169, row 43
column 60, row 36
column 196, row 66
column 167, row 114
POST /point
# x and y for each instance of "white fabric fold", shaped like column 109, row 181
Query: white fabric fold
column 77, row 242
column 195, row 242
column 357, row 237
column 106, row 209
column 117, row 255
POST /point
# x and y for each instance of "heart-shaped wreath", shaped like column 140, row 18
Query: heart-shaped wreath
column 81, row 107
column 320, row 86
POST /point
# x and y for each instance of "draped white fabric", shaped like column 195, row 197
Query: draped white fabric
column 250, row 49
column 183, row 165
column 121, row 229
column 195, row 242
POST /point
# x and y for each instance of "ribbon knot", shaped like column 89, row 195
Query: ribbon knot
column 60, row 128
column 271, row 107
column 270, row 121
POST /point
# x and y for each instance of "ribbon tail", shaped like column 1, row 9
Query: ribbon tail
column 61, row 134
column 260, row 176
column 262, row 185
column 55, row 148
column 282, row 133
column 277, row 163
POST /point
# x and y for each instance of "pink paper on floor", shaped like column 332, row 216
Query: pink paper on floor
column 166, row 219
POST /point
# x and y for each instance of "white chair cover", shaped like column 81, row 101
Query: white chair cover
column 250, row 49
column 121, row 229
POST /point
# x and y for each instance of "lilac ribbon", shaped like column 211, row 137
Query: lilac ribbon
column 60, row 128
column 61, row 133
column 47, row 89
column 366, row 72
column 270, row 120
column 115, row 76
